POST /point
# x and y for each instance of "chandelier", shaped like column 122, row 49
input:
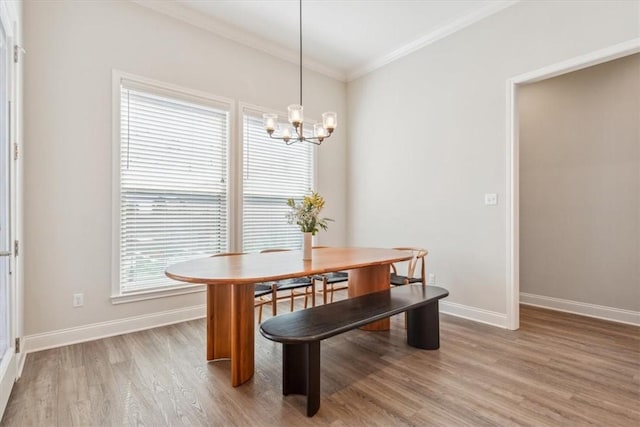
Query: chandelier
column 295, row 133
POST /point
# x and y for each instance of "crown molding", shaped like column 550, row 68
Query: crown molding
column 429, row 38
column 233, row 33
column 238, row 35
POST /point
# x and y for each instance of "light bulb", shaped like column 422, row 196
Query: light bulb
column 319, row 131
column 330, row 120
column 270, row 122
column 296, row 115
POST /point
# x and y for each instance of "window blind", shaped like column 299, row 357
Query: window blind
column 173, row 183
column 272, row 173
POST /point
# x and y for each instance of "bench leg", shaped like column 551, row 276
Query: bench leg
column 423, row 327
column 301, row 373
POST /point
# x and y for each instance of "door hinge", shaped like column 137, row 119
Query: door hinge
column 16, row 52
column 15, row 151
column 16, row 248
column 18, row 345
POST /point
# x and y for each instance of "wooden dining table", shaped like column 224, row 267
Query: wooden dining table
column 230, row 285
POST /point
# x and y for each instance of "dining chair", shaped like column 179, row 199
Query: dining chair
column 331, row 280
column 306, row 283
column 418, row 256
column 260, row 290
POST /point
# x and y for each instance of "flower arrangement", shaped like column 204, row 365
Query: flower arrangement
column 306, row 214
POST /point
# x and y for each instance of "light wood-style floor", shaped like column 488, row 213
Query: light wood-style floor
column 558, row 369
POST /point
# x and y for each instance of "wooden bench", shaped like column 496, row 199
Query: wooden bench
column 300, row 332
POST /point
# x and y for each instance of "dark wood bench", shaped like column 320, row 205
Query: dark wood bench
column 300, row 332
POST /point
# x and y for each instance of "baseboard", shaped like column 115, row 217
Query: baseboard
column 96, row 331
column 22, row 357
column 62, row 337
column 472, row 313
column 582, row 308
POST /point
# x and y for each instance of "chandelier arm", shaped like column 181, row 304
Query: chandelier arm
column 316, row 139
column 312, row 139
column 300, row 138
column 279, row 138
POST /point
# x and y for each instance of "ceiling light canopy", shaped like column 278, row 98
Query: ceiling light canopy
column 295, row 132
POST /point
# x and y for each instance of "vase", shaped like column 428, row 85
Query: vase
column 306, row 248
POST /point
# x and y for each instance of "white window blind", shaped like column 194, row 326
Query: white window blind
column 272, row 173
column 173, row 182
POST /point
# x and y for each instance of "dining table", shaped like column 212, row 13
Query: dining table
column 230, row 281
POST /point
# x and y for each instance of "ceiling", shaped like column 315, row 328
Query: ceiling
column 341, row 38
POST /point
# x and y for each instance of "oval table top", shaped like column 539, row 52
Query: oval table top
column 263, row 267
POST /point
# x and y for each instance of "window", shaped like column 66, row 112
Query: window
column 173, row 181
column 272, row 173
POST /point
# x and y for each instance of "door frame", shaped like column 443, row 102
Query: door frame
column 610, row 53
column 10, row 365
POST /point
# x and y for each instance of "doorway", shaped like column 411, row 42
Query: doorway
column 513, row 158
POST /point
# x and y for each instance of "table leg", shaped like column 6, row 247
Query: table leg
column 242, row 334
column 218, row 321
column 367, row 280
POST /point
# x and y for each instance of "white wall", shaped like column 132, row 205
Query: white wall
column 580, row 185
column 427, row 138
column 72, row 48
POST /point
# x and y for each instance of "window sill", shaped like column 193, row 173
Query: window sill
column 157, row 293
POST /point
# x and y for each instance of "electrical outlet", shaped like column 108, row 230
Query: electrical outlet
column 432, row 279
column 78, row 300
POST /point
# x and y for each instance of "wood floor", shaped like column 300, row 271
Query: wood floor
column 558, row 369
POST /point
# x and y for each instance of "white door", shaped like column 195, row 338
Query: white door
column 7, row 296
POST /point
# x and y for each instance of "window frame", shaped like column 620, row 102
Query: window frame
column 238, row 171
column 178, row 92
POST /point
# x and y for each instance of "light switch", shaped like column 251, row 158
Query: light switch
column 491, row 199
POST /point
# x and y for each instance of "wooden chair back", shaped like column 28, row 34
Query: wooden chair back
column 418, row 255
